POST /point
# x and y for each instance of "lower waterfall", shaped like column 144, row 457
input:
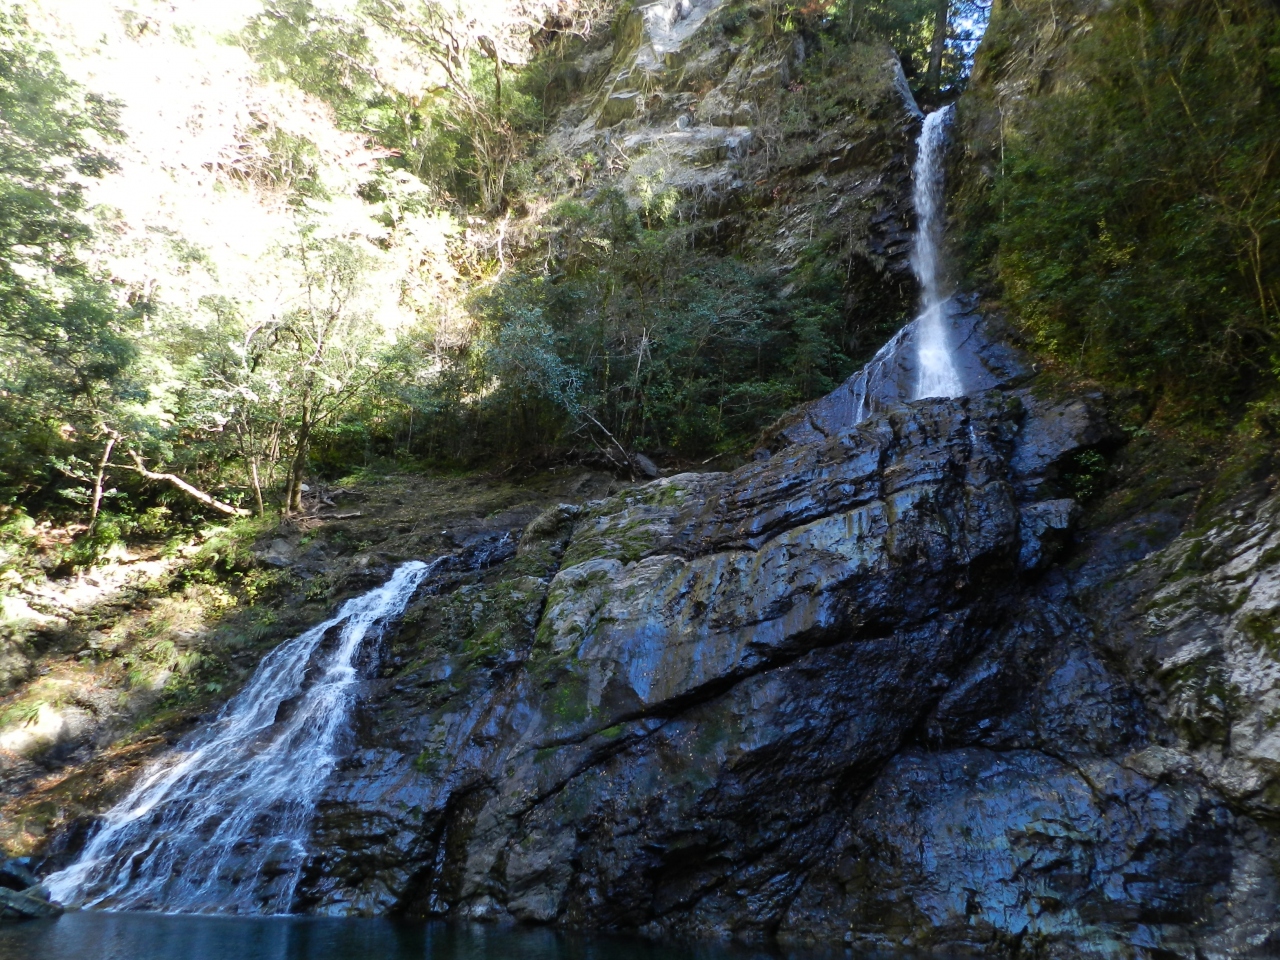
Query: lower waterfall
column 219, row 824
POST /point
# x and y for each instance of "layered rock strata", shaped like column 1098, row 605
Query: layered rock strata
column 831, row 696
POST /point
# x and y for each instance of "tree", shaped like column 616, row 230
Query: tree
column 467, row 48
column 65, row 342
column 266, row 388
column 938, row 46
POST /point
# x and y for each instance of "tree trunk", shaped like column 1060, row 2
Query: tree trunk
column 186, row 488
column 933, row 80
column 257, row 485
column 97, row 481
column 249, row 453
column 497, row 86
column 298, row 469
column 296, row 475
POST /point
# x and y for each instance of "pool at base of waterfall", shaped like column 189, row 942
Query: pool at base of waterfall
column 89, row 935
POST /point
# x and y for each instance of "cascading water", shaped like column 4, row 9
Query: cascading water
column 918, row 362
column 220, row 824
column 936, row 376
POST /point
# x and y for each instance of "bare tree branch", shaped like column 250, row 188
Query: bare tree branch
column 185, row 487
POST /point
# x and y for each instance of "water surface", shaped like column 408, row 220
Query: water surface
column 140, row 936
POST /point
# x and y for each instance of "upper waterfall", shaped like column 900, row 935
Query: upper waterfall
column 925, row 357
column 937, row 376
column 219, row 825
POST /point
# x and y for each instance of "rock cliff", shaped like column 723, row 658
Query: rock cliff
column 846, row 693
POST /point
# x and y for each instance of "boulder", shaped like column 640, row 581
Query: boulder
column 19, row 905
column 16, row 874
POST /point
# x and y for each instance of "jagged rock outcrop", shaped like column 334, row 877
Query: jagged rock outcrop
column 680, row 709
column 21, row 895
column 842, row 694
column 771, row 158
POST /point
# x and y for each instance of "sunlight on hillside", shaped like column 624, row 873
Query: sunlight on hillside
column 195, row 201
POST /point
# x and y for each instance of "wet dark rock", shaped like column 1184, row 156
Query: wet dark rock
column 669, row 708
column 21, row 895
column 980, row 848
column 644, row 466
column 15, row 905
column 849, row 693
column 16, row 874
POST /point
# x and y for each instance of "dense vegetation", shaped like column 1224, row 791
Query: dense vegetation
column 1134, row 223
column 535, row 309
column 65, row 344
column 440, row 288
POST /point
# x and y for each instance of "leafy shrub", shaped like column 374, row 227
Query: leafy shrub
column 623, row 332
column 1135, row 228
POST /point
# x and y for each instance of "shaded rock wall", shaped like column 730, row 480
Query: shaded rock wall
column 847, row 694
column 830, row 696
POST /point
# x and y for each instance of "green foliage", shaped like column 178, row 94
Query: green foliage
column 329, row 55
column 266, row 391
column 65, row 343
column 624, row 332
column 908, row 26
column 1084, row 476
column 1135, row 226
column 282, row 161
column 87, row 550
column 463, row 134
column 904, row 23
column 320, row 52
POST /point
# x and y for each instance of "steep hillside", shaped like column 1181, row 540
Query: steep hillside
column 717, row 225
column 995, row 673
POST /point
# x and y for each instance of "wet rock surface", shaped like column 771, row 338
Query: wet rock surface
column 21, row 895
column 984, row 360
column 849, row 693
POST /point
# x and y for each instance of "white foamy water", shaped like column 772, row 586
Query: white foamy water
column 865, row 385
column 937, row 376
column 219, row 824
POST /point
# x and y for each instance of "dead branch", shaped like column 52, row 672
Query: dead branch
column 185, row 487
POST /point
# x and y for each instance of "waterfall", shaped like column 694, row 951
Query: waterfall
column 219, row 825
column 937, row 376
column 918, row 362
column 864, row 386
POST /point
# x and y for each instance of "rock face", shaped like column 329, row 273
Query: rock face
column 871, row 689
column 842, row 694
column 767, row 152
column 21, row 895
